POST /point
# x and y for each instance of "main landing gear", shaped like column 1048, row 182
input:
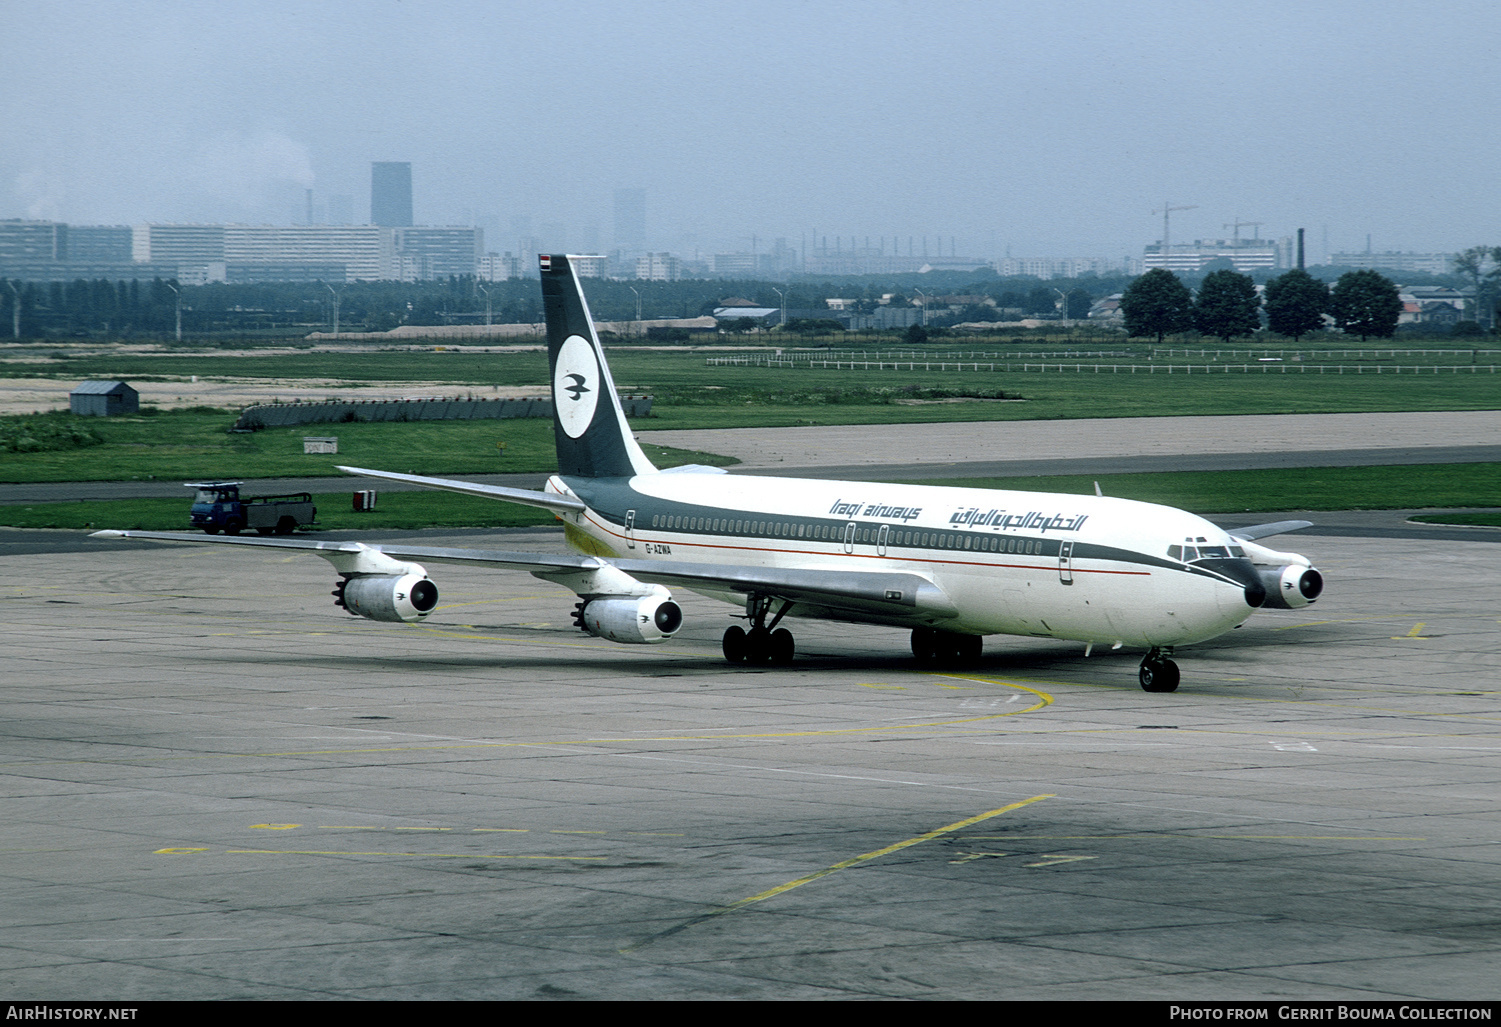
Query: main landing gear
column 763, row 643
column 946, row 648
column 1158, row 673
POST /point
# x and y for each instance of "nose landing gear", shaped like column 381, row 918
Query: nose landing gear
column 1158, row 673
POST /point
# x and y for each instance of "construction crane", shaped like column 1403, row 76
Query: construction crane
column 1166, row 211
column 1238, row 224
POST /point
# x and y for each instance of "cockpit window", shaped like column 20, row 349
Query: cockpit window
column 1213, row 553
column 1176, row 552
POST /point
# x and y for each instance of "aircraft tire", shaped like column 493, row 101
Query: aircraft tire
column 782, row 646
column 734, row 644
column 925, row 644
column 970, row 648
column 1158, row 675
column 758, row 646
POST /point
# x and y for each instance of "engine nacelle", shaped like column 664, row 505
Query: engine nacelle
column 1290, row 587
column 631, row 619
column 400, row 598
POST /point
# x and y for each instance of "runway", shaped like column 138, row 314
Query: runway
column 217, row 785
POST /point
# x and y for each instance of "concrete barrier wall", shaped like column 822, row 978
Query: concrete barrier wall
column 281, row 415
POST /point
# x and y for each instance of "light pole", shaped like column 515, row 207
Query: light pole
column 482, row 289
column 179, row 308
column 924, row 306
column 638, row 301
column 782, row 296
column 335, row 293
column 16, row 312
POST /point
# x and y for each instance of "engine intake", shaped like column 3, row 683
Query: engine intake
column 1291, row 587
column 402, row 598
column 630, row 619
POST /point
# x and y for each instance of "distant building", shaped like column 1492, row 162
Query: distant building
column 423, row 252
column 1426, row 263
column 100, row 244
column 1048, row 268
column 630, row 220
column 366, row 252
column 1244, row 255
column 103, row 399
column 31, row 242
column 596, row 265
column 184, row 245
column 658, row 267
column 391, row 194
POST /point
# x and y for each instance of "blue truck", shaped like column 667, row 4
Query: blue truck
column 218, row 506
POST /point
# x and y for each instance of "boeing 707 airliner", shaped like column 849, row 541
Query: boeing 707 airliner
column 951, row 565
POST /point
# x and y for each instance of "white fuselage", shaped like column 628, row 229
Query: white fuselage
column 1093, row 569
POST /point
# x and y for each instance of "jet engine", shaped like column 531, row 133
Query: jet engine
column 403, row 598
column 1290, row 587
column 631, row 619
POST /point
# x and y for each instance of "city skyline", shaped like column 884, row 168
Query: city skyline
column 1010, row 129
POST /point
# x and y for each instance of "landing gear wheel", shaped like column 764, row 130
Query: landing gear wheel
column 1158, row 675
column 782, row 647
column 925, row 645
column 758, row 646
column 734, row 644
column 970, row 648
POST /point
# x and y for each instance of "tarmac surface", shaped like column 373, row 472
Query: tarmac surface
column 217, row 785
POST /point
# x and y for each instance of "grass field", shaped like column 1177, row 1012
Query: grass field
column 189, row 444
column 1330, row 488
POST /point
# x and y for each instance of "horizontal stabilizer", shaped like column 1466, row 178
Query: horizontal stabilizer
column 694, row 469
column 1256, row 531
column 525, row 497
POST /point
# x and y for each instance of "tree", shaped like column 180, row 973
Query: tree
column 1472, row 264
column 1227, row 305
column 1157, row 304
column 1296, row 303
column 1366, row 303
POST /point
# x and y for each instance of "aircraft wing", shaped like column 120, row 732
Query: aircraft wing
column 863, row 591
column 1256, row 531
column 526, row 497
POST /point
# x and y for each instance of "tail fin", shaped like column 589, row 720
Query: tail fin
column 589, row 425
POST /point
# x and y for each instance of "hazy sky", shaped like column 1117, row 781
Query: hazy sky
column 1046, row 128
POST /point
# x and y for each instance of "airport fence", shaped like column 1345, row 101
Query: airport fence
column 1056, row 367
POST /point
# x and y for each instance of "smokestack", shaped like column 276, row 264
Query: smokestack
column 1300, row 249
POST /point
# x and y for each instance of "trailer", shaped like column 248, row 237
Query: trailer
column 218, row 506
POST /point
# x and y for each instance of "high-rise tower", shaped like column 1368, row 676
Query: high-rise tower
column 630, row 220
column 391, row 194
